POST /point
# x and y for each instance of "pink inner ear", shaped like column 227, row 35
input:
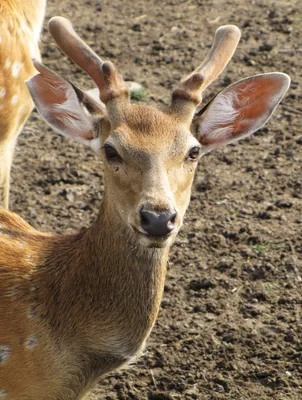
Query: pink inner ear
column 49, row 87
column 253, row 101
column 240, row 109
column 49, row 93
column 57, row 102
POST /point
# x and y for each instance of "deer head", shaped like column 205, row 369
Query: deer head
column 150, row 154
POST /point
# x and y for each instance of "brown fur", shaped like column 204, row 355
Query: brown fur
column 75, row 307
column 94, row 296
column 89, row 315
column 91, row 299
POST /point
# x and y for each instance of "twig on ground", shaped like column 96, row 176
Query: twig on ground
column 292, row 110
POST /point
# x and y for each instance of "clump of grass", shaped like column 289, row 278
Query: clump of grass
column 139, row 94
column 261, row 247
column 268, row 287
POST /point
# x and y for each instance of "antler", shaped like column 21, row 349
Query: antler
column 188, row 94
column 104, row 74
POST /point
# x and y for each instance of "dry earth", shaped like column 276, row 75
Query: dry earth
column 230, row 322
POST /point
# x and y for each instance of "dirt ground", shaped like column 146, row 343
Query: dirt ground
column 230, row 323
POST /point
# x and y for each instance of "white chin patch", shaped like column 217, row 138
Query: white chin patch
column 153, row 242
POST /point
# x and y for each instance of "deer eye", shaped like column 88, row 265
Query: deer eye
column 194, row 153
column 111, row 154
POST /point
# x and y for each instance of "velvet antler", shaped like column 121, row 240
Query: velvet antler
column 188, row 94
column 110, row 83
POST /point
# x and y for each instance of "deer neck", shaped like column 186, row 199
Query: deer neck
column 110, row 285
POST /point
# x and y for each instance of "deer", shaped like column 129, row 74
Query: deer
column 75, row 307
column 19, row 38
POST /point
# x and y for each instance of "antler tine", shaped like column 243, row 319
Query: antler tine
column 188, row 94
column 104, row 74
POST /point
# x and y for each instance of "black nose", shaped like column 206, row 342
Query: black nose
column 157, row 225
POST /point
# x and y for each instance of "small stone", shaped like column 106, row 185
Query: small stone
column 133, row 86
column 224, row 264
column 136, row 28
column 165, row 303
column 203, row 284
column 284, row 203
column 266, row 47
column 263, row 215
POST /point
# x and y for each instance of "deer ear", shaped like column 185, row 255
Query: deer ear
column 64, row 107
column 239, row 110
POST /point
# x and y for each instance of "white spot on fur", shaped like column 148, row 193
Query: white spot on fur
column 31, row 342
column 15, row 99
column 3, row 393
column 4, row 354
column 16, row 69
column 31, row 313
column 22, row 245
column 0, row 39
column 7, row 64
column 28, row 258
column 2, row 92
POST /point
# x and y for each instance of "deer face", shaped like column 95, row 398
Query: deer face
column 150, row 161
column 150, row 155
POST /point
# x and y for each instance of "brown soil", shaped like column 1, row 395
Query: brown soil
column 230, row 322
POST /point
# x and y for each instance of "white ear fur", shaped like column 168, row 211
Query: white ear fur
column 217, row 120
column 73, row 118
column 234, row 113
column 95, row 95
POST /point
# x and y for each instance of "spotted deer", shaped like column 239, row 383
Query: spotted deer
column 21, row 24
column 74, row 307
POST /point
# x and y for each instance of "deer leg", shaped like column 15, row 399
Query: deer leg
column 6, row 158
column 6, row 155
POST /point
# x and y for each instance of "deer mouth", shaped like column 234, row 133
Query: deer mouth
column 150, row 241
